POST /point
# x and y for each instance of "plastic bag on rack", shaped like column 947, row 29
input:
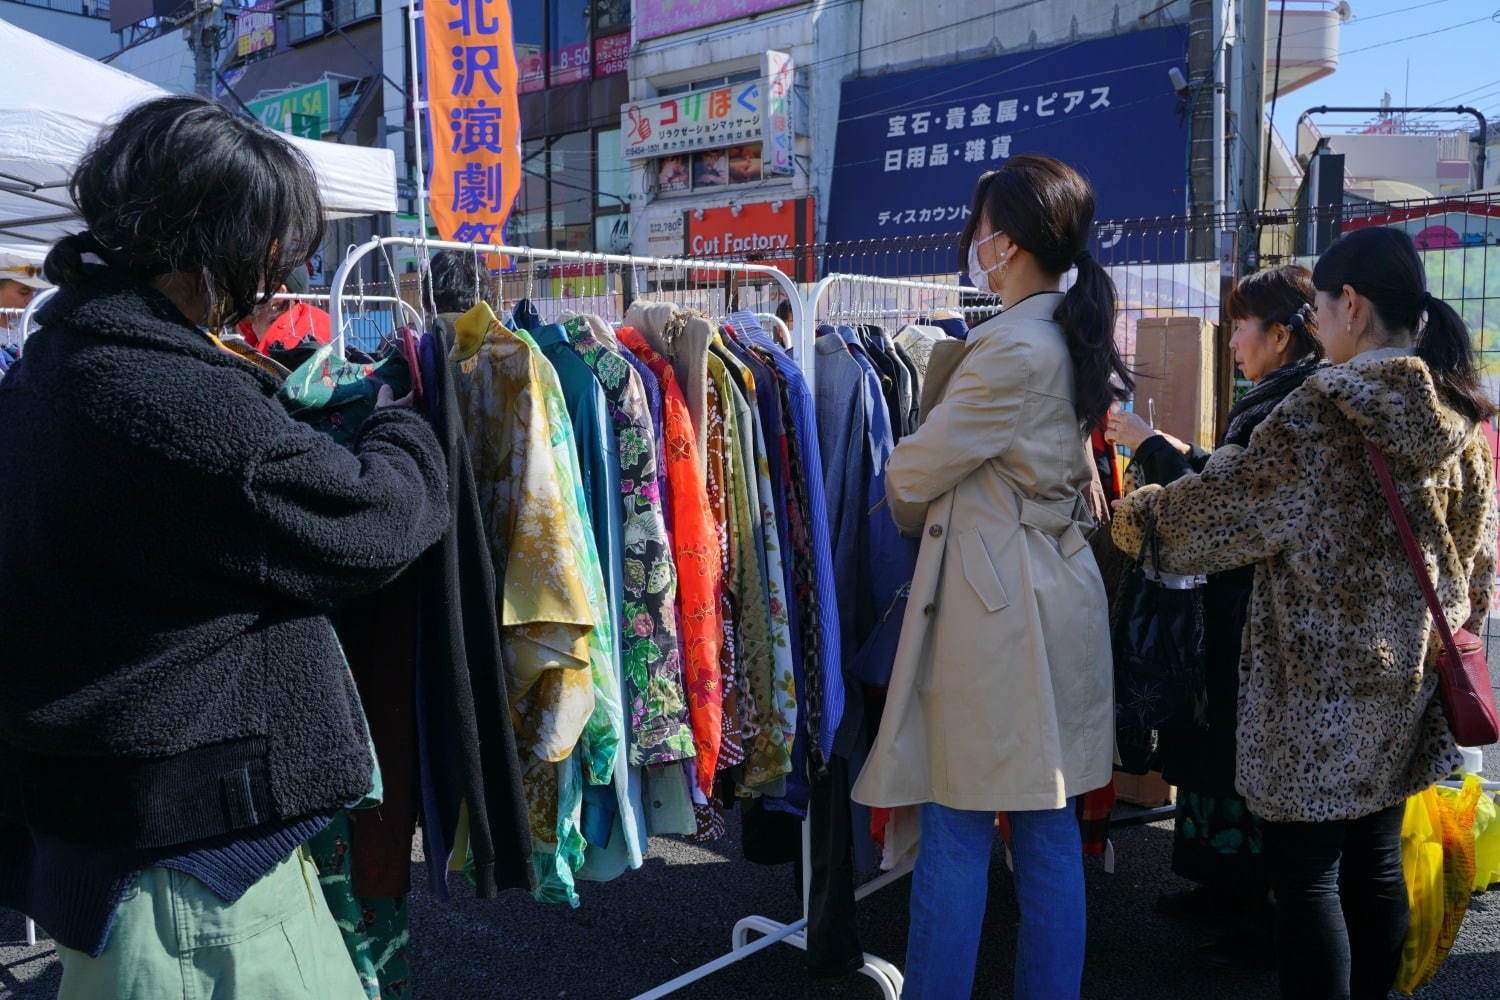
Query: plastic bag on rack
column 1437, row 851
column 1486, row 843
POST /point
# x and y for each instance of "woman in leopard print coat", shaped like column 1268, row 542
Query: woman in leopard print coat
column 1338, row 719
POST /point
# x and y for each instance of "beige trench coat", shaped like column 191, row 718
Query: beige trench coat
column 1002, row 693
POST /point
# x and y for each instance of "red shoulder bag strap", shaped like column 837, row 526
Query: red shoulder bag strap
column 1413, row 552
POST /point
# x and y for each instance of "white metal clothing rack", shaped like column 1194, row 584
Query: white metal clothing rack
column 31, row 308
column 673, row 278
column 684, row 282
column 398, row 304
column 861, row 296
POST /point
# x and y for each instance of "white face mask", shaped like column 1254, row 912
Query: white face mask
column 978, row 273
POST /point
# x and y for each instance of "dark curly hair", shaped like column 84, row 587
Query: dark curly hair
column 182, row 185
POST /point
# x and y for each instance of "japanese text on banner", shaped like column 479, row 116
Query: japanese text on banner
column 702, row 119
column 475, row 119
column 778, row 117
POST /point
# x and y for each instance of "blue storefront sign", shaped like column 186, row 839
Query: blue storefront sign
column 912, row 145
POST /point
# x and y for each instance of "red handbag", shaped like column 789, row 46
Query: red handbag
column 1463, row 672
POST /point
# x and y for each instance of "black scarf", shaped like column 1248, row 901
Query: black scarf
column 1267, row 394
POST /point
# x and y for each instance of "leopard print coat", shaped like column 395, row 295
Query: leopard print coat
column 1337, row 713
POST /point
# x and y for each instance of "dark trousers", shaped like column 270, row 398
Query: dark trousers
column 1341, row 907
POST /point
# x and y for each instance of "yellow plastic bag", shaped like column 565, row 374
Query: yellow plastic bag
column 1437, row 852
column 1486, row 844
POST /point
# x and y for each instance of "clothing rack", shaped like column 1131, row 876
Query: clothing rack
column 678, row 280
column 688, row 283
column 31, row 308
column 401, row 306
column 860, row 296
column 10, row 334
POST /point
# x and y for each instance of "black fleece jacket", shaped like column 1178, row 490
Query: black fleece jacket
column 171, row 542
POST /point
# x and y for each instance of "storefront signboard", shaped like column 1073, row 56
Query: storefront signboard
column 779, row 134
column 768, row 230
column 700, row 119
column 911, row 146
column 611, row 54
column 255, row 30
column 306, row 111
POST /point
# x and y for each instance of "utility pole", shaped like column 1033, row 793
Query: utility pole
column 204, row 27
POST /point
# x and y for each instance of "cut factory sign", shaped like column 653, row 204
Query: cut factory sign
column 771, row 230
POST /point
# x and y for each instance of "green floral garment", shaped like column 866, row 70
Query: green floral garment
column 606, row 726
column 769, row 751
column 650, row 647
column 377, row 932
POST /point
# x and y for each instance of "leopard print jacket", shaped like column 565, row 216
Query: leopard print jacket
column 1337, row 713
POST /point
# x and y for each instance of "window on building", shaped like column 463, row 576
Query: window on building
column 709, row 84
column 529, row 25
column 570, row 48
column 313, row 18
column 611, row 16
column 304, row 20
column 613, row 183
column 571, row 176
column 567, row 41
column 560, row 205
column 347, row 12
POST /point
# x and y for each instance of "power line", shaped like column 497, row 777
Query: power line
column 1425, row 34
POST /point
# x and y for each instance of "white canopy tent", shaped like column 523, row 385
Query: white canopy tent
column 54, row 102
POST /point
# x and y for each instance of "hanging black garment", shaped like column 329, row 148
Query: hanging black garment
column 466, row 738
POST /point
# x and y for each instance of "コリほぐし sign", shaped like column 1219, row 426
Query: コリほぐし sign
column 701, row 119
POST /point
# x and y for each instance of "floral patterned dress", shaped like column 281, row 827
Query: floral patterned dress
column 659, row 728
column 697, row 558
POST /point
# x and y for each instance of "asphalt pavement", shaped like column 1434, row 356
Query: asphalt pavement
column 678, row 911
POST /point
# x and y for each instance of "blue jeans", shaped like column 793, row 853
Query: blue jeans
column 948, row 894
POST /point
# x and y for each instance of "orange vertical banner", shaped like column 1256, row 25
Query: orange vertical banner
column 474, row 116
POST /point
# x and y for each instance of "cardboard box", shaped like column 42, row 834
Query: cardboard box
column 1175, row 376
column 1147, row 790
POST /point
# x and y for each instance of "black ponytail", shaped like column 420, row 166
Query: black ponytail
column 1087, row 316
column 1047, row 209
column 1444, row 345
column 64, row 264
column 1383, row 265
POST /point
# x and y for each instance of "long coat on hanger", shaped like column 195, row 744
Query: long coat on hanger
column 1001, row 696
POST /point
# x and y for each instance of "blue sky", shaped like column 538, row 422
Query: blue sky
column 1452, row 65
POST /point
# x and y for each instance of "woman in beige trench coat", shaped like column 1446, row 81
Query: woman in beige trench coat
column 1001, row 698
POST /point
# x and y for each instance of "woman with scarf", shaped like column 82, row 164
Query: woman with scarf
column 1217, row 841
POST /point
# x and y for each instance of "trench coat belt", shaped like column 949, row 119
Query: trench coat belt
column 1065, row 520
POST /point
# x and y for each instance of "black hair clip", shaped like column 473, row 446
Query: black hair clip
column 1299, row 318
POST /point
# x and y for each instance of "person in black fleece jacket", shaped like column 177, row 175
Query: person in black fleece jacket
column 171, row 541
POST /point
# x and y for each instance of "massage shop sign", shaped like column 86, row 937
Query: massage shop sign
column 755, row 111
column 473, row 118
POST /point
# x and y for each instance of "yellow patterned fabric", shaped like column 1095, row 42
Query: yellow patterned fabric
column 547, row 618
